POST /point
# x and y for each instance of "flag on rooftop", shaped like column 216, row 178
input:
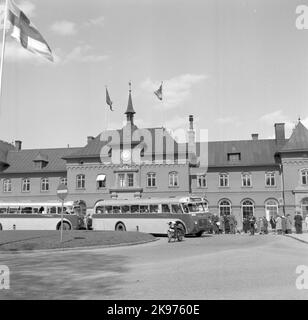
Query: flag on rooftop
column 159, row 92
column 24, row 32
column 108, row 100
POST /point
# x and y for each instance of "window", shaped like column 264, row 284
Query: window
column 223, row 180
column 270, row 179
column 130, row 179
column 45, row 184
column 271, row 208
column 165, row 208
column 304, row 176
column 80, row 181
column 173, row 179
column 153, row 208
column 151, row 179
column 247, row 208
column 25, row 185
column 101, row 181
column 7, row 185
column 121, row 178
column 201, row 181
column 176, row 208
column 234, row 157
column 224, row 207
column 246, row 180
column 63, row 180
column 304, row 206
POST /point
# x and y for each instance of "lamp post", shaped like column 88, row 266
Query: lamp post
column 62, row 193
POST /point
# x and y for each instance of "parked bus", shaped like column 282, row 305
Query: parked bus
column 152, row 215
column 41, row 215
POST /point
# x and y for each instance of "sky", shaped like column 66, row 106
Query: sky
column 238, row 66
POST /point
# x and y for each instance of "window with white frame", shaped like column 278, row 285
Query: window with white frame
column 126, row 180
column 25, row 185
column 130, row 179
column 271, row 208
column 304, row 177
column 101, row 181
column 201, row 181
column 7, row 185
column 247, row 208
column 80, row 181
column 246, row 179
column 173, row 179
column 270, row 180
column 151, row 179
column 121, row 180
column 63, row 180
column 224, row 207
column 223, row 179
column 44, row 184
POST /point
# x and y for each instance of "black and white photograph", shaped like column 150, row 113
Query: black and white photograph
column 153, row 153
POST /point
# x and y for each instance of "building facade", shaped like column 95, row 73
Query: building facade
column 262, row 177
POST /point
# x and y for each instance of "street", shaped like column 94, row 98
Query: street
column 210, row 267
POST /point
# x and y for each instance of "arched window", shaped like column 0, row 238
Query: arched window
column 44, row 184
column 247, row 208
column 7, row 185
column 101, row 181
column 173, row 179
column 151, row 179
column 271, row 208
column 304, row 206
column 25, row 185
column 80, row 181
column 224, row 207
column 304, row 177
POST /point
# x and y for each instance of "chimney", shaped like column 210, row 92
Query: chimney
column 255, row 136
column 191, row 122
column 279, row 132
column 18, row 145
column 89, row 139
column 192, row 141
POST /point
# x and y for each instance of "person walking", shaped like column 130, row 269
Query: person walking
column 279, row 224
column 252, row 222
column 265, row 225
column 288, row 224
column 298, row 222
column 221, row 224
column 227, row 224
column 215, row 221
column 273, row 223
column 284, row 224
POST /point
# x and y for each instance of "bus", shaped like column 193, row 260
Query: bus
column 152, row 215
column 41, row 215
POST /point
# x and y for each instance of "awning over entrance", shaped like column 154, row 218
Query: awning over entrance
column 101, row 177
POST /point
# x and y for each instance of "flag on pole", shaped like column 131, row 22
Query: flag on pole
column 24, row 32
column 159, row 92
column 108, row 100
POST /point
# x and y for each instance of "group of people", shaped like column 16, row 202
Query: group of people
column 281, row 224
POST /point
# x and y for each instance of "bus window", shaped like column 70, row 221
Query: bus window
column 53, row 210
column 116, row 209
column 144, row 209
column 201, row 207
column 108, row 209
column 185, row 208
column 134, row 209
column 124, row 209
column 100, row 210
column 176, row 208
column 13, row 210
column 42, row 210
column 154, row 208
column 26, row 210
column 3, row 210
column 193, row 207
column 165, row 208
column 35, row 210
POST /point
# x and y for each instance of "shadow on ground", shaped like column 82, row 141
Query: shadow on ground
column 64, row 275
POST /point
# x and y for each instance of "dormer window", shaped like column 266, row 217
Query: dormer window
column 40, row 161
column 234, row 157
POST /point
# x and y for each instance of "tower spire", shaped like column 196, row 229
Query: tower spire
column 130, row 109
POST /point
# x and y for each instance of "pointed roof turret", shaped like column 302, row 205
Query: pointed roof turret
column 298, row 140
column 130, row 108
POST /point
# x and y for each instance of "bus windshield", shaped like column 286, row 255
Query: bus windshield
column 194, row 207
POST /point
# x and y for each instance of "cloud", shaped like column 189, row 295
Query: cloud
column 229, row 120
column 64, row 28
column 28, row 8
column 175, row 90
column 83, row 54
column 99, row 22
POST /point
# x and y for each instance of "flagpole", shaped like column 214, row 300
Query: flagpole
column 3, row 44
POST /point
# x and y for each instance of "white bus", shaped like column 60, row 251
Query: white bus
column 40, row 215
column 152, row 215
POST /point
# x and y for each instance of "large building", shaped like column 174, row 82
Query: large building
column 256, row 176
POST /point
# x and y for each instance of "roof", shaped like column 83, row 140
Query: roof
column 298, row 140
column 23, row 161
column 130, row 108
column 4, row 148
column 41, row 157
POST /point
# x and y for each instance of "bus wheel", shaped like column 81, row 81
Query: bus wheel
column 180, row 225
column 66, row 226
column 120, row 227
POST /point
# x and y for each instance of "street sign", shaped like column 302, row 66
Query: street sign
column 62, row 191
